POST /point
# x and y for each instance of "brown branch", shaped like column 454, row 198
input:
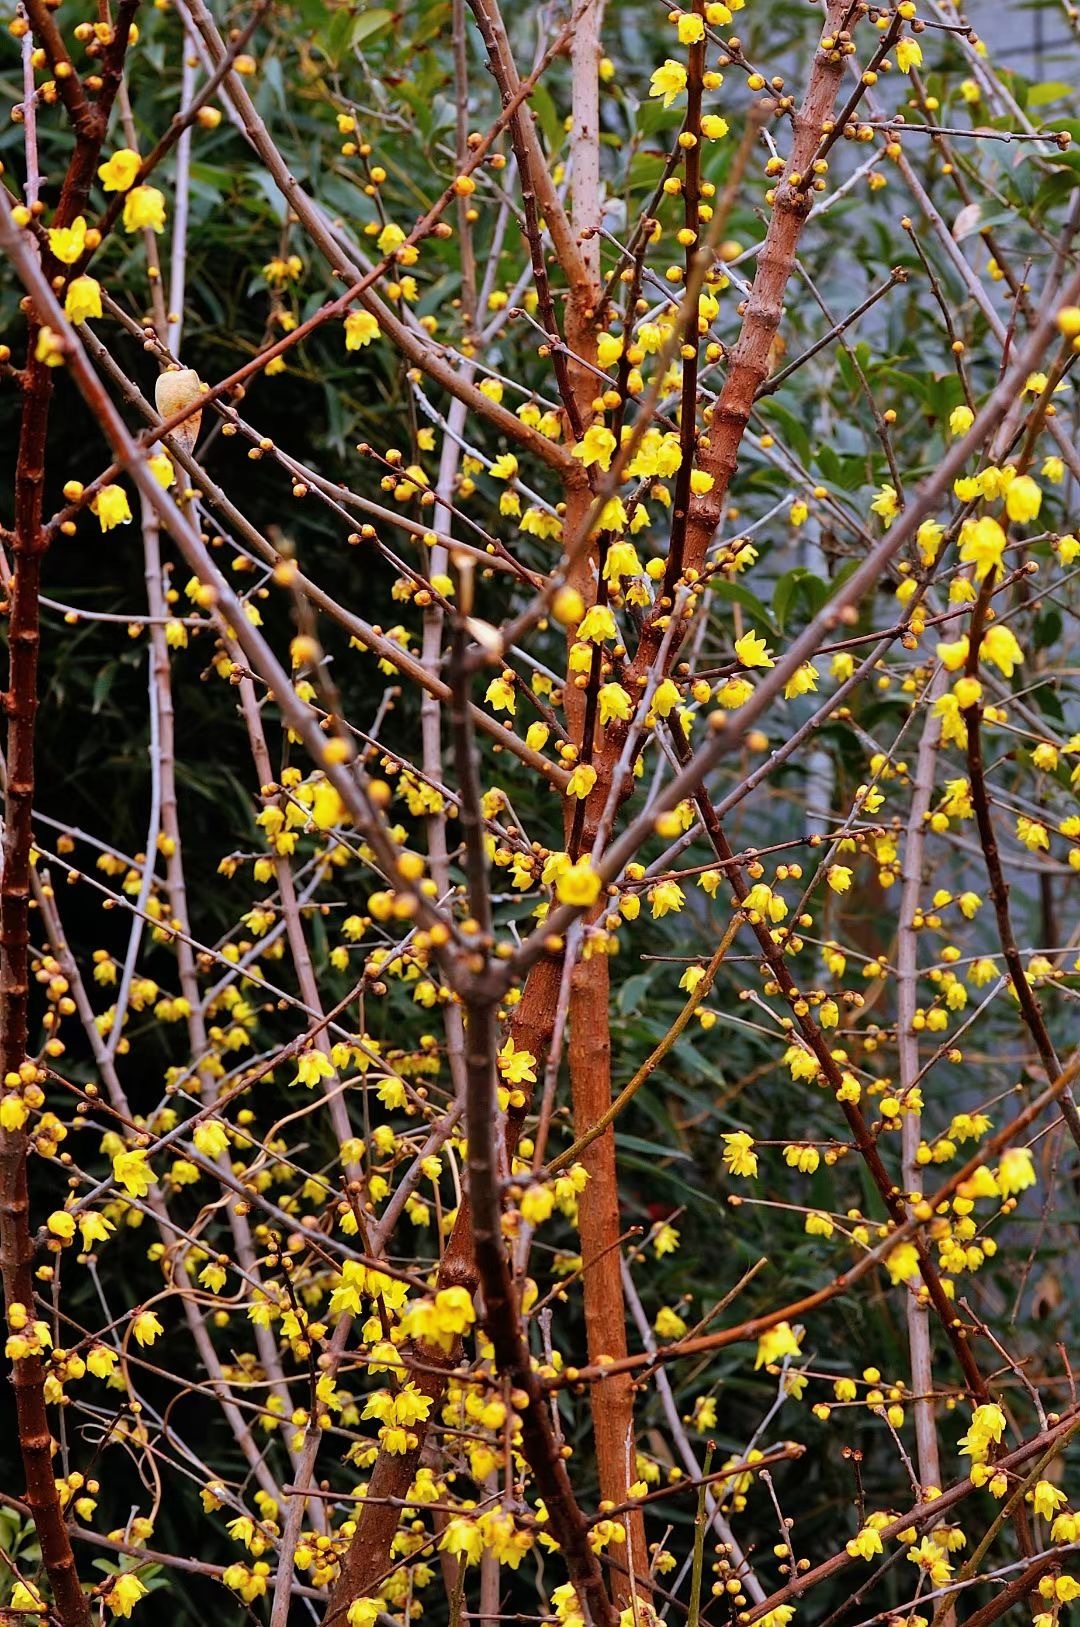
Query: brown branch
column 749, row 362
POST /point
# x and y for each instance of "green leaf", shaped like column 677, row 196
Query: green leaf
column 368, row 24
column 1051, row 90
column 737, row 594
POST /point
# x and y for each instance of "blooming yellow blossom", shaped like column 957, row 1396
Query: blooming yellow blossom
column 144, row 209
column 581, row 781
column 597, row 446
column 516, row 1067
column 886, row 504
column 67, row 243
column 146, row 1328
column 83, row 299
column 131, row 1170
column 982, row 543
column 125, row 1593
column 776, row 1343
column 360, row 329
column 1016, row 1171
column 1000, row 648
column 738, row 1154
column 753, row 651
column 665, row 897
column 118, row 173
column 668, row 81
column 579, row 884
column 1023, row 499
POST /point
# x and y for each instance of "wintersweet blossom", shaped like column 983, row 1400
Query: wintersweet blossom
column 67, row 243
column 753, row 651
column 738, row 1154
column 596, row 446
column 82, row 299
column 668, row 81
column 360, row 329
column 118, row 173
column 1016, row 1171
column 144, row 210
column 776, row 1343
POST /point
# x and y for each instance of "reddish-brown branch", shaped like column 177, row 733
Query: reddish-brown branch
column 20, row 702
column 749, row 364
column 16, row 1250
column 367, row 1557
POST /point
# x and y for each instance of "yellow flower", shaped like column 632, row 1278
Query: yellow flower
column 952, row 655
column 501, row 696
column 364, row 1612
column 1023, row 499
column 932, row 1560
column 803, row 681
column 83, row 299
column 865, row 1544
column 518, row 1067
column 622, row 560
column 614, row 703
column 713, row 127
column 665, row 697
column 666, row 896
column 669, row 1324
column 908, row 55
column 961, row 420
column 390, row 238
column 132, row 1171
column 1033, row 834
column 691, row 28
column 118, row 173
column 839, row 877
column 62, row 1225
column 1016, row 1171
column 94, row 1228
column 49, row 348
column 609, row 347
column 581, row 781
column 101, row 1360
column 144, row 209
column 928, row 540
column 668, row 81
column 146, row 1328
column 596, row 446
column 982, row 543
column 579, row 885
column 597, row 624
column 986, row 1429
column 902, row 1263
column 738, row 1154
column 161, row 467
column 753, row 651
column 311, row 1066
column 1046, row 1499
column 68, row 242
column 360, row 329
column 125, row 1593
column 886, row 504
column 776, row 1343
column 462, row 1537
column 999, row 646
column 701, row 482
